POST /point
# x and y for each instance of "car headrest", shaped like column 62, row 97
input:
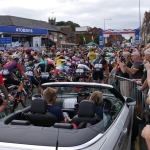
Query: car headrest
column 86, row 109
column 39, row 106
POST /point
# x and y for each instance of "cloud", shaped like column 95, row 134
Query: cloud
column 124, row 14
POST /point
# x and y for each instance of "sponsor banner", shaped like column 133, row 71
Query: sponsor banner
column 5, row 40
column 22, row 30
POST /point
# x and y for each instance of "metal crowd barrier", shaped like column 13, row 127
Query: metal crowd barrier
column 131, row 89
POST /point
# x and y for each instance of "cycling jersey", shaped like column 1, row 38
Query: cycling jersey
column 10, row 66
column 82, row 66
column 91, row 56
column 44, row 68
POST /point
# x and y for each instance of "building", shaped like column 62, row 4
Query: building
column 84, row 35
column 70, row 36
column 24, row 30
column 144, row 28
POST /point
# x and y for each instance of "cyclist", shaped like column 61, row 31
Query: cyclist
column 28, row 57
column 7, row 70
column 45, row 68
column 30, row 74
column 83, row 71
column 99, row 67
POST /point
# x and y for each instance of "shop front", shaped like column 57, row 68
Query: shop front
column 21, row 35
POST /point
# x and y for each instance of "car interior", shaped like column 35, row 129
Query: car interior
column 35, row 120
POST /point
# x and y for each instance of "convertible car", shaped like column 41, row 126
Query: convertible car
column 35, row 128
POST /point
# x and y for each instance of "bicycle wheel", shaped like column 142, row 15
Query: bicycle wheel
column 18, row 105
column 23, row 96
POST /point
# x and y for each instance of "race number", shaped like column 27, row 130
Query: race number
column 5, row 72
column 29, row 73
column 80, row 71
column 44, row 74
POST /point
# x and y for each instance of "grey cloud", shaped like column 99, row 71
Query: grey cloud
column 124, row 14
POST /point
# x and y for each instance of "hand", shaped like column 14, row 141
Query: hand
column 146, row 133
column 138, row 82
column 133, row 80
column 141, row 88
column 122, row 64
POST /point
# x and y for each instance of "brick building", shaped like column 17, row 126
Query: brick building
column 90, row 34
column 144, row 28
column 114, row 39
column 70, row 36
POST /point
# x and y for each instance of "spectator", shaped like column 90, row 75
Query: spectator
column 136, row 71
column 124, row 85
column 147, row 66
column 146, row 135
column 50, row 96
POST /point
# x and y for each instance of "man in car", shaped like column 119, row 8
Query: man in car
column 50, row 96
column 97, row 98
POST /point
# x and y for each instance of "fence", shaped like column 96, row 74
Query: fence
column 129, row 88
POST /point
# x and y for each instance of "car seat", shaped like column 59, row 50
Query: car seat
column 86, row 113
column 39, row 115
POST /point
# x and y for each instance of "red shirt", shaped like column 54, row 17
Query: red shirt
column 1, row 78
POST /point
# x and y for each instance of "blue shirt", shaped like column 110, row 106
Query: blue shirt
column 55, row 110
column 100, row 111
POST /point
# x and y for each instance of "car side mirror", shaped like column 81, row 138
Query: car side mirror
column 130, row 101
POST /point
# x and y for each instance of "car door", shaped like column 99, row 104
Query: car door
column 118, row 134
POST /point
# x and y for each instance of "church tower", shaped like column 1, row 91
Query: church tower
column 52, row 20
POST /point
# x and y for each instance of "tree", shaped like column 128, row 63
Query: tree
column 96, row 39
column 68, row 23
column 81, row 36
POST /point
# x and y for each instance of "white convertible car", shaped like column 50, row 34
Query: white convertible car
column 35, row 128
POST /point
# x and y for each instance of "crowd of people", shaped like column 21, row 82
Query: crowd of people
column 87, row 63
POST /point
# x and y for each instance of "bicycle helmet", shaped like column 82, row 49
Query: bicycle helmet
column 28, row 50
column 30, row 63
column 103, row 53
column 82, row 61
column 16, row 55
column 44, row 53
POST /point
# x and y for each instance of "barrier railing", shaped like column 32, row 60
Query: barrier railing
column 129, row 88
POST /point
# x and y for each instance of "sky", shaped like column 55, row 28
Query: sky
column 124, row 14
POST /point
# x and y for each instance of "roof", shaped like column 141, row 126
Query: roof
column 24, row 22
column 59, row 27
column 55, row 27
column 91, row 44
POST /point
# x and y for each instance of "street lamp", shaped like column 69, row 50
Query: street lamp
column 104, row 22
column 140, row 20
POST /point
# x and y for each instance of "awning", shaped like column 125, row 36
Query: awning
column 71, row 44
column 23, row 30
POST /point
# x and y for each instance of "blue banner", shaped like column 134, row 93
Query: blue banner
column 101, row 39
column 23, row 30
column 5, row 40
column 137, row 37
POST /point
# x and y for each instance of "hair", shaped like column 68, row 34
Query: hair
column 49, row 93
column 137, row 53
column 97, row 98
column 127, row 54
column 148, row 46
column 147, row 51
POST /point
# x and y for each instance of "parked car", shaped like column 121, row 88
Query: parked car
column 35, row 128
